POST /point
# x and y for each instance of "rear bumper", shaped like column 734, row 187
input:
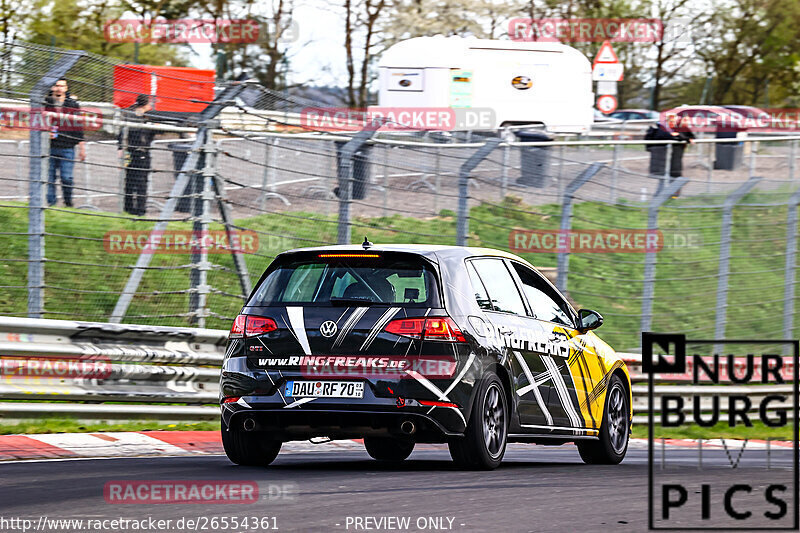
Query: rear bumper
column 386, row 403
column 296, row 424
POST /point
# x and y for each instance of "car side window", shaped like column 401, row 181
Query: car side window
column 543, row 303
column 478, row 289
column 500, row 286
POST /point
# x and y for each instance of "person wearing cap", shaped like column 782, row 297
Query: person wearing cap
column 136, row 141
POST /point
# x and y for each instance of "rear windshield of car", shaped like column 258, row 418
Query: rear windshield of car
column 405, row 281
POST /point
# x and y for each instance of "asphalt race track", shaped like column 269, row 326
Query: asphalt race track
column 536, row 488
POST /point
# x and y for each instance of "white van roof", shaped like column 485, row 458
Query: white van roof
column 450, row 52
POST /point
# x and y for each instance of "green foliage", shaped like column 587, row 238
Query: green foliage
column 84, row 280
column 759, row 431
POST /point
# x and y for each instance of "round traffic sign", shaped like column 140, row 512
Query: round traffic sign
column 607, row 103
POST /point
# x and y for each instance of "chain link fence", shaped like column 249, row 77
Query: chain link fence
column 181, row 236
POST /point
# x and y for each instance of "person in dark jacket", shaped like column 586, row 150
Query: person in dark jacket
column 65, row 135
column 667, row 131
column 137, row 143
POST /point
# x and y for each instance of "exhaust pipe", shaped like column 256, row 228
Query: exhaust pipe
column 408, row 427
column 249, row 424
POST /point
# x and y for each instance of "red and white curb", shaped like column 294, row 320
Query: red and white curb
column 134, row 444
column 181, row 443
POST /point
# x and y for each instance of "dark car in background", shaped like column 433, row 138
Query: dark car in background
column 634, row 114
column 400, row 344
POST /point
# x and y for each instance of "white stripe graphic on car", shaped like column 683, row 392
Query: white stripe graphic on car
column 561, row 390
column 533, row 385
column 298, row 326
column 434, row 389
column 232, row 347
column 264, row 344
column 301, row 401
column 349, row 324
column 243, row 403
column 458, row 379
column 378, row 327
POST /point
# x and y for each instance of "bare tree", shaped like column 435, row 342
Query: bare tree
column 362, row 24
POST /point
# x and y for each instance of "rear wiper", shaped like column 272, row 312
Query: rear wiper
column 352, row 300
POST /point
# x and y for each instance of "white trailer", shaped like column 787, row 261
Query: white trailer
column 520, row 82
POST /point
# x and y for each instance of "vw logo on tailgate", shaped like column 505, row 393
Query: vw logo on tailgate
column 328, row 328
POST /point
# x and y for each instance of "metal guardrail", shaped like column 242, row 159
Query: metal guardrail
column 53, row 366
column 682, row 385
column 131, row 371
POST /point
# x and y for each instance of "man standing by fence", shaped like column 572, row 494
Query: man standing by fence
column 137, row 142
column 64, row 136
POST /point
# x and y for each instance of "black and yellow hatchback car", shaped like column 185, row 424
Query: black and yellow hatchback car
column 400, row 344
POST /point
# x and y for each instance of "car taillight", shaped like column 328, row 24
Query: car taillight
column 251, row 326
column 258, row 325
column 432, row 329
column 237, row 330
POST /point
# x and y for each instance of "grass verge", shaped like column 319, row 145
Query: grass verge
column 759, row 431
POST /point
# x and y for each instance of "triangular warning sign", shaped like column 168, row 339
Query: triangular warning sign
column 606, row 54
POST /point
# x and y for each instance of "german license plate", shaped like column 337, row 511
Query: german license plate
column 325, row 389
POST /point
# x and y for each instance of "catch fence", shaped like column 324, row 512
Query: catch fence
column 246, row 173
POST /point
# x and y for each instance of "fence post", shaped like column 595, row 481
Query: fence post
column 20, row 169
column 665, row 178
column 462, row 224
column 198, row 276
column 122, row 169
column 87, row 193
column 211, row 111
column 268, row 176
column 560, row 169
column 710, row 176
column 789, row 276
column 386, row 149
column 437, row 180
column 613, row 189
column 504, row 171
column 566, row 219
column 37, row 173
column 344, row 175
column 648, row 287
column 752, row 165
column 265, row 175
column 725, row 257
column 227, row 219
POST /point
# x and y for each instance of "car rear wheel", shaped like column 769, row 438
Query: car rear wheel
column 388, row 449
column 249, row 448
column 484, row 442
column 612, row 445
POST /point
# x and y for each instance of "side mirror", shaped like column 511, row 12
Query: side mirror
column 589, row 319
